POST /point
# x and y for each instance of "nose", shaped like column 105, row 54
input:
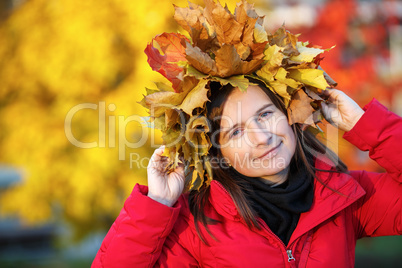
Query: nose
column 258, row 134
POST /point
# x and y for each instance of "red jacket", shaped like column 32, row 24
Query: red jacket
column 148, row 234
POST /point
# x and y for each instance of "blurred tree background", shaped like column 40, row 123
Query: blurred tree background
column 84, row 61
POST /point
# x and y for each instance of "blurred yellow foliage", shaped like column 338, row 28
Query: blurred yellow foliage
column 59, row 55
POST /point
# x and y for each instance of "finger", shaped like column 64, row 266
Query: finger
column 324, row 94
column 329, row 95
column 180, row 169
column 326, row 112
column 157, row 157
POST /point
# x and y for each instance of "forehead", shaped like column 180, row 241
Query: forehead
column 241, row 105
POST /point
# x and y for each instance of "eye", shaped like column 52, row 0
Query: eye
column 235, row 133
column 264, row 114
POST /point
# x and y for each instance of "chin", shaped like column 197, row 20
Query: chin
column 262, row 171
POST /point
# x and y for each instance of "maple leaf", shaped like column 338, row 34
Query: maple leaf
column 191, row 18
column 281, row 77
column 228, row 62
column 238, row 81
column 328, row 78
column 307, row 54
column 285, row 40
column 194, row 182
column 186, row 149
column 243, row 51
column 300, row 109
column 162, row 87
column 171, row 137
column 208, row 168
column 260, row 35
column 195, row 98
column 200, row 60
column 280, row 89
column 311, row 77
column 195, row 134
column 193, row 21
column 159, row 102
column 191, row 71
column 174, row 117
column 246, row 15
column 228, row 30
column 312, row 93
column 174, row 51
column 274, row 56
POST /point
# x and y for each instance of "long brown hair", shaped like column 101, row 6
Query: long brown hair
column 306, row 144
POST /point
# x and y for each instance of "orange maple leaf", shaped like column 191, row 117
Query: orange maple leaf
column 173, row 52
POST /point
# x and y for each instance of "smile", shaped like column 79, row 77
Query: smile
column 271, row 153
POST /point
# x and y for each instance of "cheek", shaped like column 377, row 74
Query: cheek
column 285, row 131
column 291, row 137
column 234, row 150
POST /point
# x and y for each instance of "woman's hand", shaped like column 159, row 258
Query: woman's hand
column 340, row 110
column 163, row 186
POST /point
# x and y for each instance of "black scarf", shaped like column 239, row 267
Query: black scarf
column 280, row 206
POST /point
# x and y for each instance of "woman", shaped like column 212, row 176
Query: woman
column 279, row 197
column 156, row 226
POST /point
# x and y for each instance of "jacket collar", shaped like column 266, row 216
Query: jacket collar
column 222, row 202
column 336, row 192
column 340, row 191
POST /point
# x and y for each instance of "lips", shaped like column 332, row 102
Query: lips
column 270, row 153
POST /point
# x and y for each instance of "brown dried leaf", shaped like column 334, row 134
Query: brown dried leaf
column 312, row 93
column 248, row 67
column 186, row 148
column 173, row 117
column 285, row 40
column 193, row 21
column 159, row 102
column 243, row 51
column 227, row 29
column 200, row 60
column 246, row 15
column 300, row 109
column 227, row 61
column 191, row 17
column 195, row 134
column 244, row 8
column 171, row 137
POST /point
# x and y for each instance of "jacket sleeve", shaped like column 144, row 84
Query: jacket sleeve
column 379, row 212
column 139, row 236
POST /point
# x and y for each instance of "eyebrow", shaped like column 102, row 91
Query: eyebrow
column 257, row 112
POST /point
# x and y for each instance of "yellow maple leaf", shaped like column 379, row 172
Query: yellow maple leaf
column 307, row 54
column 195, row 98
column 311, row 77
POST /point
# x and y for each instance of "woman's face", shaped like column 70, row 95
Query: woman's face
column 255, row 136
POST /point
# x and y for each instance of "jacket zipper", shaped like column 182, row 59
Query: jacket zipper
column 288, row 251
column 290, row 256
